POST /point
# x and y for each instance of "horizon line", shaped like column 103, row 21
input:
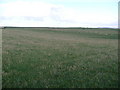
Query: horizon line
column 53, row 27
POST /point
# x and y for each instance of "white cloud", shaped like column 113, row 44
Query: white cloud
column 30, row 13
column 22, row 8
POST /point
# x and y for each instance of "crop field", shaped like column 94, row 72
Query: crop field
column 59, row 58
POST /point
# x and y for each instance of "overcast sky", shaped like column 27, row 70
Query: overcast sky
column 59, row 13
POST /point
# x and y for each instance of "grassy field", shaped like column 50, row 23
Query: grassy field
column 60, row 58
column 0, row 58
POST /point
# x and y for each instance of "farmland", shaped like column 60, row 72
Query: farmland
column 59, row 58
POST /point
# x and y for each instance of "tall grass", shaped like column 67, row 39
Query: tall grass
column 60, row 58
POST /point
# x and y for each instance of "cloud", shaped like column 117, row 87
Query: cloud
column 39, row 13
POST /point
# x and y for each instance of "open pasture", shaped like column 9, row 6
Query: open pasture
column 59, row 58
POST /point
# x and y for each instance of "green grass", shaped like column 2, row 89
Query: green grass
column 0, row 58
column 60, row 58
